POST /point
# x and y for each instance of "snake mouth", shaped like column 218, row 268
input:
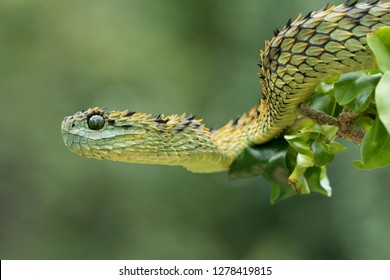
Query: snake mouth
column 66, row 135
column 74, row 142
column 67, row 125
column 69, row 137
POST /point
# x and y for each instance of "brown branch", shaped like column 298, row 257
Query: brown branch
column 347, row 129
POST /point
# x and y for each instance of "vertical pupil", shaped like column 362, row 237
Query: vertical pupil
column 96, row 122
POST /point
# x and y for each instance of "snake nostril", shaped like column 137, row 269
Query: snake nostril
column 73, row 125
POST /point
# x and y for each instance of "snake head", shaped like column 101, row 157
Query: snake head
column 95, row 133
column 143, row 138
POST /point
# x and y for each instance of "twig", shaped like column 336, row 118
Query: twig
column 347, row 129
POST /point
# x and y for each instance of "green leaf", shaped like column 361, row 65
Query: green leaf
column 281, row 192
column 323, row 102
column 304, row 160
column 300, row 144
column 318, row 180
column 375, row 147
column 268, row 159
column 379, row 42
column 354, row 89
column 382, row 100
column 321, row 154
column 327, row 131
column 325, row 88
column 335, row 147
column 361, row 102
column 365, row 122
column 298, row 181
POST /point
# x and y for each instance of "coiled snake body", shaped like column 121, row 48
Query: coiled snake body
column 305, row 52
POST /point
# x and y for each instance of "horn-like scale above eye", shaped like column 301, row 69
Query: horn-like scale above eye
column 96, row 122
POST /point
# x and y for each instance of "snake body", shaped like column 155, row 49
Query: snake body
column 308, row 50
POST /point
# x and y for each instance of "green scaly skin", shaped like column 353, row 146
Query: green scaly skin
column 305, row 52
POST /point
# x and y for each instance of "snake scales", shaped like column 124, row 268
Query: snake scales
column 305, row 52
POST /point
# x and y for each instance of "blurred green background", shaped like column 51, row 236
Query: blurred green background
column 171, row 56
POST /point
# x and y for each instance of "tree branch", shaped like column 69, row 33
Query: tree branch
column 347, row 129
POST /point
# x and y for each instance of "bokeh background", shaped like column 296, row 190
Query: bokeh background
column 171, row 56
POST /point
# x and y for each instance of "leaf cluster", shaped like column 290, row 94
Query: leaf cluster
column 295, row 163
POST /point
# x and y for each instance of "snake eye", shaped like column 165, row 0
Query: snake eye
column 96, row 122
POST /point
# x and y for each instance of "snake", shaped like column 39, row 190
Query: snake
column 305, row 52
